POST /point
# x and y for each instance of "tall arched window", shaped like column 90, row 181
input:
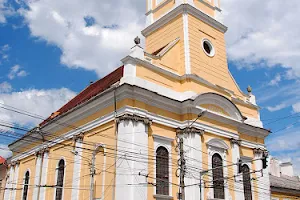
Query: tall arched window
column 218, row 177
column 247, row 182
column 60, row 179
column 162, row 171
column 25, row 187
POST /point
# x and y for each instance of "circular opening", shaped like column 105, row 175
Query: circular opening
column 208, row 48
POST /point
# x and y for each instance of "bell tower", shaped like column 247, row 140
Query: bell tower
column 187, row 38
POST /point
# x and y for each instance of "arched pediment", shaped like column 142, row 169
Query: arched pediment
column 218, row 143
column 219, row 104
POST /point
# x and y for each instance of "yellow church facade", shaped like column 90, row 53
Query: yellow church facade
column 171, row 123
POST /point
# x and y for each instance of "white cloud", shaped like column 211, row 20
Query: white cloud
column 4, row 151
column 98, row 47
column 296, row 107
column 5, row 10
column 16, row 71
column 41, row 102
column 267, row 38
column 5, row 87
column 277, row 107
column 275, row 81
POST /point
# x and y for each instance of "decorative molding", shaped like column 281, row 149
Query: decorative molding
column 135, row 118
column 180, row 10
column 189, row 130
column 217, row 143
column 78, row 137
column 235, row 141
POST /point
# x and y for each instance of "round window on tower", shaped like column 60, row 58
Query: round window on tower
column 208, row 48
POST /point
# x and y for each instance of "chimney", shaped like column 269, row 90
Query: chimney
column 287, row 169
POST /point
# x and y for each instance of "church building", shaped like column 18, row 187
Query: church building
column 170, row 123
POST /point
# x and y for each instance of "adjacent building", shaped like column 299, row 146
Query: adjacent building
column 284, row 185
column 3, row 173
column 171, row 117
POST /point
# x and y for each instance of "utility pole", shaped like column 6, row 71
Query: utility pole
column 182, row 169
column 93, row 171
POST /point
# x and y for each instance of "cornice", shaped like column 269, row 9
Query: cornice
column 184, row 8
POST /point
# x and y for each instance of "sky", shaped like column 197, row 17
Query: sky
column 51, row 49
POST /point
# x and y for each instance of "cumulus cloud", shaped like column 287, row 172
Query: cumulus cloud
column 5, row 87
column 96, row 46
column 4, row 151
column 16, row 71
column 296, row 107
column 41, row 102
column 266, row 39
column 277, row 107
column 275, row 81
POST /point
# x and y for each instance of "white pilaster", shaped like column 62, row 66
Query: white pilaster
column 77, row 169
column 239, row 193
column 193, row 149
column 44, row 175
column 8, row 191
column 37, row 177
column 262, row 181
column 15, row 181
column 132, row 140
column 186, row 43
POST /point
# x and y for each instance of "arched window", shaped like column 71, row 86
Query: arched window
column 25, row 187
column 162, row 171
column 60, row 179
column 247, row 182
column 218, row 177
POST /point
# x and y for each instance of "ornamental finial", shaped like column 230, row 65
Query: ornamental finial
column 249, row 89
column 137, row 40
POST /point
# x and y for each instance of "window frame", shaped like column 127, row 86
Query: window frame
column 250, row 183
column 166, row 142
column 23, row 190
column 56, row 177
column 163, row 171
column 218, row 179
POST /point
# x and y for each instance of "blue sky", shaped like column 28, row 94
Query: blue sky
column 50, row 50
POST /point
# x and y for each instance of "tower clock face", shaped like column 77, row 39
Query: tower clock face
column 208, row 48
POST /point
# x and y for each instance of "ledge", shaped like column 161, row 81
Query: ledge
column 162, row 197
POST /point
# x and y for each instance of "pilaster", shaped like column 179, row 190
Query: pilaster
column 132, row 140
column 15, row 179
column 44, row 174
column 235, row 144
column 77, row 165
column 193, row 150
column 262, row 175
column 37, row 177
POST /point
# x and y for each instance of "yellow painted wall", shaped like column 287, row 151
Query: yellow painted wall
column 159, row 12
column 282, row 196
column 27, row 164
column 163, row 36
column 204, row 8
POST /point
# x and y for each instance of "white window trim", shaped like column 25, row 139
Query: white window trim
column 23, row 181
column 213, row 49
column 56, row 176
column 161, row 141
column 212, row 150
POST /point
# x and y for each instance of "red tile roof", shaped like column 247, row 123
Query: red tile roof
column 89, row 92
column 2, row 160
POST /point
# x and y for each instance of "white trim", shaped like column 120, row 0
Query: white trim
column 159, row 137
column 166, row 143
column 222, row 152
column 186, row 43
column 16, row 176
column 38, row 167
column 180, row 10
column 212, row 48
column 56, row 177
column 217, row 143
column 22, row 195
column 103, row 172
column 77, row 170
column 130, row 110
